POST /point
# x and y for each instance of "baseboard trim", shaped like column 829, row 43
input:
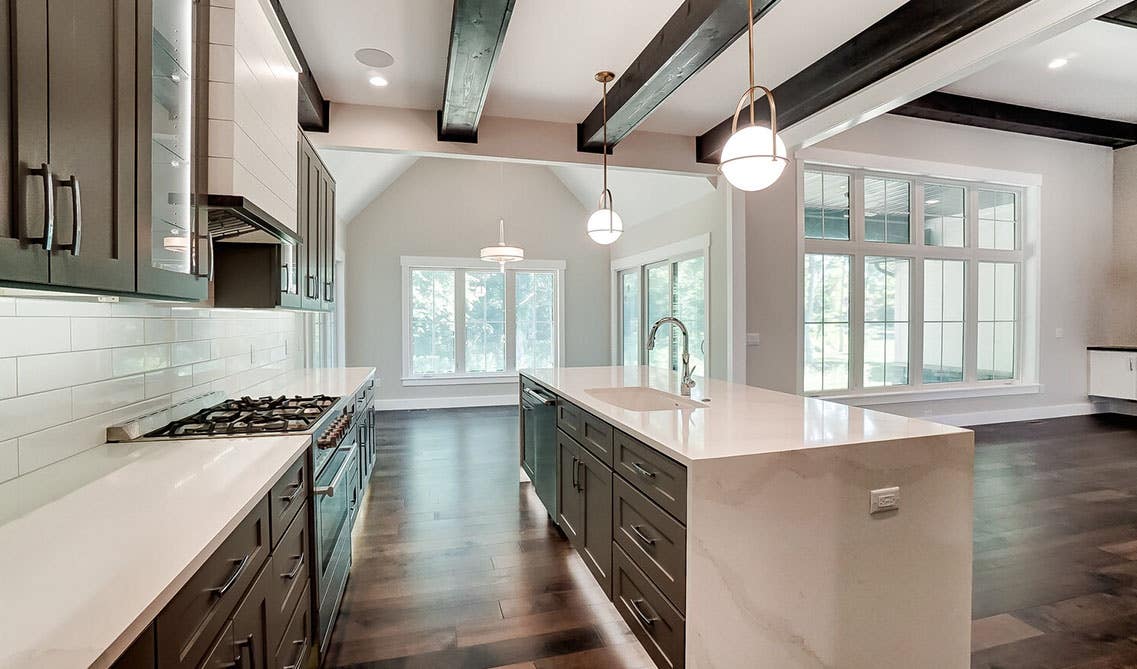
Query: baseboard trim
column 446, row 402
column 1016, row 415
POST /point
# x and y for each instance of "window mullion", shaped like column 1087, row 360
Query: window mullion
column 510, row 316
column 971, row 290
column 460, row 321
column 857, row 324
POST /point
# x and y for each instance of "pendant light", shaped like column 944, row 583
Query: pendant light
column 754, row 157
column 605, row 226
column 501, row 252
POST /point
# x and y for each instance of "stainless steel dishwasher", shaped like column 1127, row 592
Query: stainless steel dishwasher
column 539, row 443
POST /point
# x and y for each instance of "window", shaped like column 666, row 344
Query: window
column 668, row 282
column 465, row 320
column 921, row 288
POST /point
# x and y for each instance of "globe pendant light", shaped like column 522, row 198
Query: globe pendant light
column 605, row 226
column 501, row 252
column 754, row 157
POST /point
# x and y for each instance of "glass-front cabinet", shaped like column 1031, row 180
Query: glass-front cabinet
column 173, row 248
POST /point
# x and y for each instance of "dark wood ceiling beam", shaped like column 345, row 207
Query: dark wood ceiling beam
column 311, row 105
column 694, row 36
column 913, row 31
column 477, row 31
column 1126, row 15
column 1015, row 118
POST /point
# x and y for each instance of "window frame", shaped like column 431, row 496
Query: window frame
column 460, row 266
column 917, row 251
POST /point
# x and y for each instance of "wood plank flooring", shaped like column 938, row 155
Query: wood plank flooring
column 455, row 566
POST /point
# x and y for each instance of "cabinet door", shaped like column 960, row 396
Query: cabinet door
column 595, row 544
column 23, row 141
column 312, row 233
column 251, row 622
column 570, row 505
column 91, row 49
column 224, row 653
column 329, row 240
column 1113, row 374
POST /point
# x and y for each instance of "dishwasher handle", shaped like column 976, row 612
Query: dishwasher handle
column 538, row 398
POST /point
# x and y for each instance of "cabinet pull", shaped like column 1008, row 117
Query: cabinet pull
column 288, row 499
column 643, row 617
column 646, row 473
column 1131, row 364
column 224, row 587
column 295, row 568
column 48, row 207
column 578, row 476
column 299, row 662
column 643, row 538
column 575, row 485
column 76, row 215
column 247, row 643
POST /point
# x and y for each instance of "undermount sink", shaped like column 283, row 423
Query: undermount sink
column 644, row 399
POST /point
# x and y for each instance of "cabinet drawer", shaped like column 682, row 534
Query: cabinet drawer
column 289, row 575
column 191, row 621
column 657, row 476
column 287, row 497
column 655, row 541
column 659, row 627
column 591, row 432
column 223, row 653
column 297, row 642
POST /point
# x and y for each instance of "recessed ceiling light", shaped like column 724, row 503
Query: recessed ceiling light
column 374, row 57
column 378, row 80
column 1058, row 63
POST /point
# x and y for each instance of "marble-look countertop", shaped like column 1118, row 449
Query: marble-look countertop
column 738, row 421
column 95, row 545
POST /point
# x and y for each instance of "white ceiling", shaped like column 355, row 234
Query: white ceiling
column 639, row 196
column 1100, row 79
column 552, row 50
column 361, row 176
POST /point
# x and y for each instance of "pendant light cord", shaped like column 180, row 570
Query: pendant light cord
column 604, row 149
column 750, row 40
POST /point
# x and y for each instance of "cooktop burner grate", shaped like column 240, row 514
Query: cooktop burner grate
column 247, row 415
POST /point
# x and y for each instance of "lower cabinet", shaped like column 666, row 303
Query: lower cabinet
column 570, row 504
column 658, row 625
column 595, row 540
column 1113, row 374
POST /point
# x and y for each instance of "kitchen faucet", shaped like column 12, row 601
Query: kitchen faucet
column 687, row 383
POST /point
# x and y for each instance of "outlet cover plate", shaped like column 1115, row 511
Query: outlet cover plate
column 883, row 500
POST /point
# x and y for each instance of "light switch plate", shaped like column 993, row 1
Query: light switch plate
column 752, row 339
column 882, row 500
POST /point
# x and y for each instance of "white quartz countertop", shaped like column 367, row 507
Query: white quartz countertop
column 97, row 544
column 738, row 421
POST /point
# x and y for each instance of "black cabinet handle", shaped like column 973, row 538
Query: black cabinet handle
column 76, row 215
column 580, row 478
column 48, row 207
column 647, row 620
column 646, row 473
column 575, row 485
column 641, row 536
column 232, row 580
column 299, row 662
column 295, row 568
column 247, row 643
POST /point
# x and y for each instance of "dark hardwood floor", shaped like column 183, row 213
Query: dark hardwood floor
column 455, row 566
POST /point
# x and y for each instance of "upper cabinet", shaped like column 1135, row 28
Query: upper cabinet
column 317, row 194
column 69, row 156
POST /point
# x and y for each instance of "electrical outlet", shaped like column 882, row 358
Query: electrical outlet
column 884, row 499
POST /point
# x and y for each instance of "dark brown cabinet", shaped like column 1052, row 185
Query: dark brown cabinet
column 585, row 506
column 140, row 654
column 315, row 223
column 71, row 205
column 570, row 506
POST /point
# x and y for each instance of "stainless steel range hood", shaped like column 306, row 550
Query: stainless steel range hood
column 232, row 216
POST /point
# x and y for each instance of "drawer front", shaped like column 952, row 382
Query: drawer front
column 289, row 575
column 657, row 476
column 591, row 432
column 659, row 627
column 655, row 541
column 288, row 497
column 192, row 620
column 140, row 654
column 297, row 642
column 224, row 653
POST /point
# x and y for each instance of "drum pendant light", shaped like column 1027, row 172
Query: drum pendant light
column 754, row 157
column 605, row 226
column 501, row 253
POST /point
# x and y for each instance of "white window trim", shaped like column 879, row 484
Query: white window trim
column 680, row 250
column 1028, row 256
column 408, row 263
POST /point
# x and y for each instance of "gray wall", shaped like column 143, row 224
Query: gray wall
column 1076, row 239
column 450, row 207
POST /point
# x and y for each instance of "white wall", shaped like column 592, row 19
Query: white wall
column 1076, row 238
column 450, row 208
column 707, row 215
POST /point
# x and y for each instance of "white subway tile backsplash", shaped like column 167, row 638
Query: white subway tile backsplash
column 166, row 381
column 204, row 372
column 208, row 329
column 30, row 413
column 32, row 336
column 159, row 331
column 140, row 310
column 7, row 378
column 89, row 333
column 107, row 395
column 138, row 359
column 183, row 329
column 58, row 307
column 9, row 460
column 185, row 353
column 37, row 373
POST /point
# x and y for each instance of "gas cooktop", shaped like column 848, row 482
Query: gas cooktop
column 250, row 416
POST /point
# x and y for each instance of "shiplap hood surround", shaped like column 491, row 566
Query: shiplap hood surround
column 251, row 124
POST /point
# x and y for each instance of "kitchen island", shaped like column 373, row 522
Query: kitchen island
column 740, row 526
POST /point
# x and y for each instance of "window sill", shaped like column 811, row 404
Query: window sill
column 928, row 395
column 459, row 379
